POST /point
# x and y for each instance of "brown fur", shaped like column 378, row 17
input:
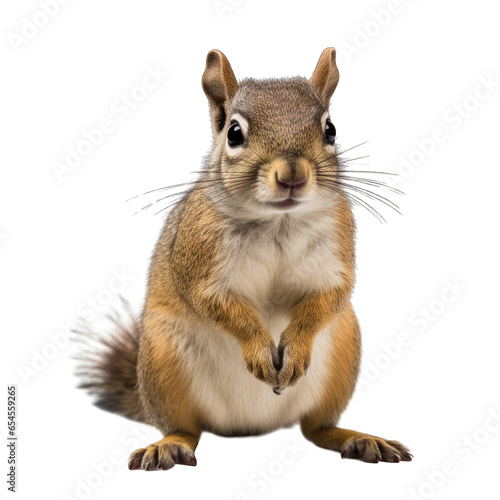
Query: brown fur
column 285, row 144
column 110, row 375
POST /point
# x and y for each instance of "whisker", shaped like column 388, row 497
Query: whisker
column 191, row 183
column 349, row 149
column 367, row 192
column 349, row 160
column 237, row 182
column 362, row 171
column 358, row 201
column 370, row 182
column 162, row 189
column 373, row 196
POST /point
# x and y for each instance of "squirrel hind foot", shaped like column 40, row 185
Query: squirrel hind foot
column 373, row 449
column 162, row 455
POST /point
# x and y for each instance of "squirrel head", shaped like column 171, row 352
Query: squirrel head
column 273, row 140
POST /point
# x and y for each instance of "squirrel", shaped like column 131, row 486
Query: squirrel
column 247, row 325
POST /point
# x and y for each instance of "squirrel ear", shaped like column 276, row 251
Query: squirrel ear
column 220, row 85
column 326, row 75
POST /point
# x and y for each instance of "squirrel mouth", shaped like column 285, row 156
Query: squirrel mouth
column 288, row 203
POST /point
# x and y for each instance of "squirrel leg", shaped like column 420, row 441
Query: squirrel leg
column 176, row 448
column 165, row 391
column 320, row 427
column 353, row 444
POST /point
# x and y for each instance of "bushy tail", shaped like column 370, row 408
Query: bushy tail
column 108, row 365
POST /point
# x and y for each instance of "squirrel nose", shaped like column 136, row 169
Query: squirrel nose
column 286, row 183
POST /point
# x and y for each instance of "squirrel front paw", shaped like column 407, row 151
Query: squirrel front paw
column 261, row 359
column 295, row 358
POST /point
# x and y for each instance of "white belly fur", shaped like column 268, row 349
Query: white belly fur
column 233, row 400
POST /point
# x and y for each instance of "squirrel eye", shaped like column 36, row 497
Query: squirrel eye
column 235, row 135
column 330, row 132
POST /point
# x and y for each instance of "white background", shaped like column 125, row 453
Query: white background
column 418, row 68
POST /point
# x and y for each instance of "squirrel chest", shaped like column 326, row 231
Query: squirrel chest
column 275, row 263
